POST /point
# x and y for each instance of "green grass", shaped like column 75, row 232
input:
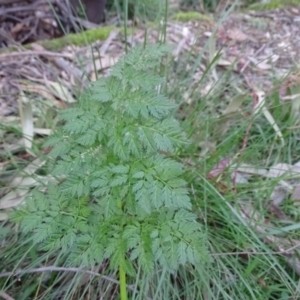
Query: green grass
column 244, row 265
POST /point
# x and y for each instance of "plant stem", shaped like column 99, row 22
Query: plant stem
column 122, row 277
column 122, row 274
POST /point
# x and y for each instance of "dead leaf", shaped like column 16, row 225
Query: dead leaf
column 38, row 89
column 15, row 197
column 28, row 171
column 261, row 107
column 236, row 34
column 3, row 216
column 278, row 195
column 43, row 131
column 234, row 104
column 239, row 178
column 249, row 169
column 37, row 47
column 296, row 194
column 20, row 185
column 278, row 170
column 100, row 64
column 17, row 28
column 219, row 168
column 26, row 116
column 60, row 91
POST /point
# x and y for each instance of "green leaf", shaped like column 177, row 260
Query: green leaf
column 100, row 182
column 146, row 260
column 53, row 140
column 131, row 141
column 162, row 142
column 79, row 126
column 100, row 91
column 155, row 190
column 63, row 148
column 138, row 186
column 119, row 180
column 182, row 253
column 118, row 148
column 146, row 138
column 102, row 191
column 71, row 114
column 117, row 199
column 120, row 169
column 142, row 198
column 138, row 175
column 88, row 139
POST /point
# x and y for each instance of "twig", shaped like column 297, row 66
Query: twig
column 254, row 55
column 293, row 262
column 32, row 31
column 3, row 2
column 43, row 53
column 63, row 269
column 57, row 269
column 5, row 296
column 17, row 8
column 282, row 252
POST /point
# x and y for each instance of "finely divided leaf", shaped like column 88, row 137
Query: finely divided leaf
column 117, row 196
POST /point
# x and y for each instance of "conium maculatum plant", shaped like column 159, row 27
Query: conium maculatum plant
column 119, row 198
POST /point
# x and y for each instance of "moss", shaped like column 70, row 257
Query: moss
column 273, row 4
column 77, row 39
column 191, row 16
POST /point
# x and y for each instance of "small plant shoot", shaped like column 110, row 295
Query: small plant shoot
column 119, row 196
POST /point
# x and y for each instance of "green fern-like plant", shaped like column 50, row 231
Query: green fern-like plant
column 119, row 195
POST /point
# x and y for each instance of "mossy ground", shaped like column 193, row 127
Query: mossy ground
column 78, row 39
column 273, row 4
column 191, row 16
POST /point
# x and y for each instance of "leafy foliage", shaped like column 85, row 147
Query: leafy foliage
column 121, row 198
